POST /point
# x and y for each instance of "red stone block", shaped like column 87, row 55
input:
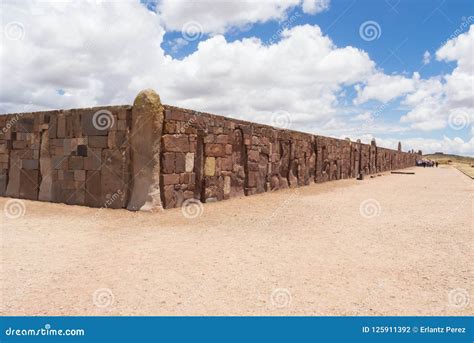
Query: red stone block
column 170, row 179
column 216, row 150
column 174, row 143
column 167, row 162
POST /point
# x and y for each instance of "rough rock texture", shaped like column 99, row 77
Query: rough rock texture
column 145, row 144
column 50, row 156
column 148, row 156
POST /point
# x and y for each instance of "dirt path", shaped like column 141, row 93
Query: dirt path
column 390, row 245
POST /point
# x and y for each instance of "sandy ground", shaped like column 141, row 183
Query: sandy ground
column 390, row 245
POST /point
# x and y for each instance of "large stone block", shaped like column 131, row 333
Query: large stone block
column 170, row 179
column 93, row 195
column 189, row 162
column 98, row 141
column 113, row 179
column 175, row 143
column 29, row 184
column 168, row 162
column 3, row 182
column 13, row 187
column 210, row 166
column 61, row 125
column 30, row 164
column 97, row 123
column 76, row 163
column 216, row 150
column 180, row 162
column 93, row 161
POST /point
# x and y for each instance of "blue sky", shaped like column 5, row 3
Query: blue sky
column 308, row 60
column 407, row 30
column 413, row 26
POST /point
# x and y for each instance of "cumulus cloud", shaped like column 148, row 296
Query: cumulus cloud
column 438, row 99
column 315, row 6
column 217, row 17
column 384, row 87
column 430, row 102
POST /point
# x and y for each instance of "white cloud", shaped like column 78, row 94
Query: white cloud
column 439, row 98
column 217, row 17
column 430, row 101
column 384, row 88
column 366, row 116
column 315, row 6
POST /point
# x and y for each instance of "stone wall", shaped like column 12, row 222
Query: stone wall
column 150, row 155
column 61, row 156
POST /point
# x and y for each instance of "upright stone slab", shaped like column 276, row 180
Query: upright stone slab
column 46, row 169
column 145, row 144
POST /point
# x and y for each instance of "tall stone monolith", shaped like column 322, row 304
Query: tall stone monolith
column 145, row 147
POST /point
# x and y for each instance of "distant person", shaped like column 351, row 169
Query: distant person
column 436, row 164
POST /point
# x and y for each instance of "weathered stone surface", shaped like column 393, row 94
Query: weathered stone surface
column 93, row 161
column 176, row 143
column 216, row 150
column 167, row 162
column 210, row 166
column 180, row 162
column 204, row 156
column 189, row 162
column 29, row 184
column 113, row 182
column 30, row 164
column 146, row 131
column 98, row 142
column 170, row 179
column 93, row 196
column 13, row 187
column 227, row 185
column 3, row 182
column 46, row 169
column 96, row 123
column 76, row 163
